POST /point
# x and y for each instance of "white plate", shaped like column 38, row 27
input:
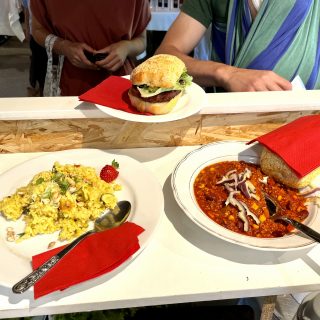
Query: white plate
column 139, row 186
column 190, row 103
column 182, row 183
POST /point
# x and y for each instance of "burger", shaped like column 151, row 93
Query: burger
column 158, row 83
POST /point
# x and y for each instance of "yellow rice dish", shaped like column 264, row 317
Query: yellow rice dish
column 64, row 199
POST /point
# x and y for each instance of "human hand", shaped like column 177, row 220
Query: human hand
column 75, row 53
column 117, row 54
column 240, row 80
column 26, row 31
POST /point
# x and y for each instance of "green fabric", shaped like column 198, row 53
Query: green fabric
column 304, row 47
column 262, row 31
column 265, row 26
column 298, row 59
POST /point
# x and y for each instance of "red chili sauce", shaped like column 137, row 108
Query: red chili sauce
column 236, row 200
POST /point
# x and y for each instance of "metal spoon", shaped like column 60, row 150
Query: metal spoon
column 275, row 215
column 110, row 219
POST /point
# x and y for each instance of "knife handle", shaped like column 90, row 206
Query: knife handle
column 34, row 276
column 304, row 228
column 37, row 274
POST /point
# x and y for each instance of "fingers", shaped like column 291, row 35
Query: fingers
column 84, row 54
column 277, row 83
column 242, row 80
column 274, row 87
column 117, row 54
column 283, row 83
column 270, row 86
column 77, row 56
column 111, row 63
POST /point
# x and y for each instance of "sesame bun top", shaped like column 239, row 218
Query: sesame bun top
column 162, row 70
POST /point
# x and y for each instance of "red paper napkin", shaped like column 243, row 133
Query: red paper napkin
column 112, row 93
column 97, row 254
column 297, row 143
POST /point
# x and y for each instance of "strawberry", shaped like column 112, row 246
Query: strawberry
column 109, row 172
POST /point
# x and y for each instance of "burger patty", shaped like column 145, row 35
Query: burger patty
column 161, row 97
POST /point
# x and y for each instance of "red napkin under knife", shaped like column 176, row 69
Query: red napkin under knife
column 112, row 93
column 297, row 143
column 97, row 254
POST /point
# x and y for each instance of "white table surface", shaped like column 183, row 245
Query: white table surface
column 215, row 103
column 182, row 263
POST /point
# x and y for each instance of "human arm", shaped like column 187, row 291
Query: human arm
column 26, row 27
column 119, row 51
column 73, row 51
column 182, row 38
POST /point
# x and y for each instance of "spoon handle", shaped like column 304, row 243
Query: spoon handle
column 37, row 274
column 303, row 228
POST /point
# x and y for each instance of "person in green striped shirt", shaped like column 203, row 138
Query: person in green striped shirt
column 257, row 45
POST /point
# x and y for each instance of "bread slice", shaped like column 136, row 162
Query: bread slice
column 272, row 165
column 154, row 108
column 162, row 71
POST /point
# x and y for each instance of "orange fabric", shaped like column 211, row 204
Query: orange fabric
column 112, row 93
column 97, row 254
column 98, row 23
column 297, row 143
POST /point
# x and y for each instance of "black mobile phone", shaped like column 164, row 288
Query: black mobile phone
column 89, row 56
column 95, row 57
column 100, row 56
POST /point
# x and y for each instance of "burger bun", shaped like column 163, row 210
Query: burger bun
column 161, row 70
column 272, row 165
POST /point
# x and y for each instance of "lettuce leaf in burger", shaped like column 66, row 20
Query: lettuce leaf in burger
column 158, row 83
